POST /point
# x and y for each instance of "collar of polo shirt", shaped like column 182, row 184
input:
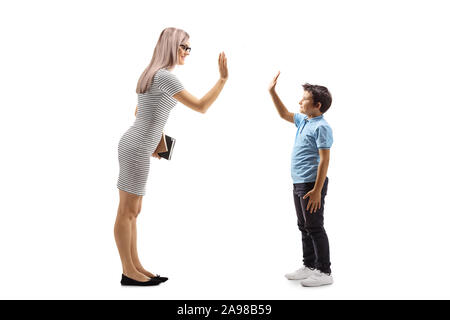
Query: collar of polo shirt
column 315, row 118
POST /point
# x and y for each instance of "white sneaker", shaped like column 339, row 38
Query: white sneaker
column 300, row 274
column 317, row 279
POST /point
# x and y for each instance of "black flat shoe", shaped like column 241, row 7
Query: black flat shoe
column 159, row 278
column 131, row 282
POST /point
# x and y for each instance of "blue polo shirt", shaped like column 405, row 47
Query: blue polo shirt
column 312, row 134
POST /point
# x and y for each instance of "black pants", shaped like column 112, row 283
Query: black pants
column 316, row 252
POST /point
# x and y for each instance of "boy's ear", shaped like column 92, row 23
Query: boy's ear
column 318, row 105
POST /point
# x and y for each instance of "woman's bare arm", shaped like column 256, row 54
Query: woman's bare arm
column 203, row 104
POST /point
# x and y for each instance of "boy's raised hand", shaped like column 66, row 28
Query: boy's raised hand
column 274, row 82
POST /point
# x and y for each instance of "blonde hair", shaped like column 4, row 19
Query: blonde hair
column 165, row 55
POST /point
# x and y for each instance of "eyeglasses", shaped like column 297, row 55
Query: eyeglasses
column 185, row 48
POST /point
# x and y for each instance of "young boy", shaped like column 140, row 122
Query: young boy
column 310, row 158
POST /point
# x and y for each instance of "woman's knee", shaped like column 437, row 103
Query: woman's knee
column 140, row 205
column 130, row 211
column 127, row 212
column 130, row 205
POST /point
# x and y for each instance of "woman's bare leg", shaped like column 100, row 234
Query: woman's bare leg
column 126, row 217
column 134, row 252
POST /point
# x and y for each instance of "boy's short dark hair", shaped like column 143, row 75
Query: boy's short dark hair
column 319, row 94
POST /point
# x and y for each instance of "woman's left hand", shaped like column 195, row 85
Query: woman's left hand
column 156, row 155
column 162, row 147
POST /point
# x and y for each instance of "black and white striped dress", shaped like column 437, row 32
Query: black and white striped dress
column 139, row 142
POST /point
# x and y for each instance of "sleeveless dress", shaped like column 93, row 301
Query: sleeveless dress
column 139, row 142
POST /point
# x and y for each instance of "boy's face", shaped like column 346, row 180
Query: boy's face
column 307, row 104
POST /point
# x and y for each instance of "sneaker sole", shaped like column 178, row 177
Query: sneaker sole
column 291, row 278
column 316, row 285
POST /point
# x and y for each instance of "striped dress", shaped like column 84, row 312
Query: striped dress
column 139, row 142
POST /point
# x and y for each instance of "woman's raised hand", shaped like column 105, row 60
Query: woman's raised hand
column 223, row 68
column 274, row 82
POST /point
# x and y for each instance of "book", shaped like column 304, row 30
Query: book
column 170, row 143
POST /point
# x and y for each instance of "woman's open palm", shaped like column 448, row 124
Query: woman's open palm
column 223, row 68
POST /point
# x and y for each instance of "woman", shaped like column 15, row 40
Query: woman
column 158, row 92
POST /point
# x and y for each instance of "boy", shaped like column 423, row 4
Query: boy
column 310, row 158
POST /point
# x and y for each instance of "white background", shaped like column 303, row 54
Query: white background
column 219, row 219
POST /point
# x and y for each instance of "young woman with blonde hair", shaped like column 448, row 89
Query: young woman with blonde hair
column 158, row 92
